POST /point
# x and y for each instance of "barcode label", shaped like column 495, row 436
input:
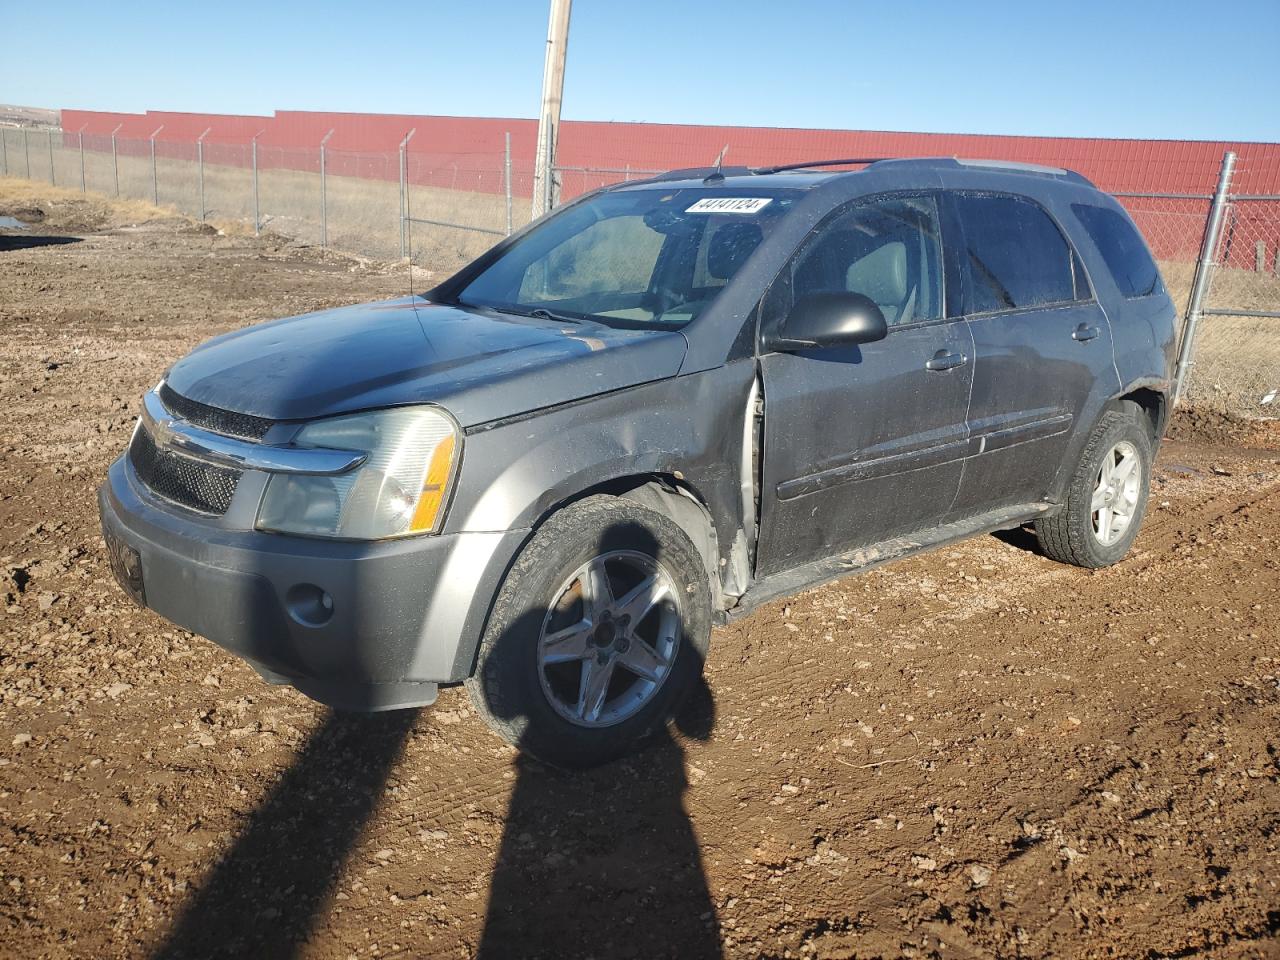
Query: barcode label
column 730, row 205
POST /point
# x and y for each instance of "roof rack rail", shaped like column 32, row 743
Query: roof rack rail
column 1010, row 166
column 847, row 162
column 953, row 163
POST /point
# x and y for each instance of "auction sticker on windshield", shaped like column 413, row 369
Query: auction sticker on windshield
column 730, row 205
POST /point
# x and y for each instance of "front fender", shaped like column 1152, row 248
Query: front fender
column 516, row 473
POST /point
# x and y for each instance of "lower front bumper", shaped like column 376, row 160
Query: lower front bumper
column 358, row 626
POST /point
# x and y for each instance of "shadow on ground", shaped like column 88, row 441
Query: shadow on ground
column 604, row 863
column 1023, row 538
column 10, row 242
column 263, row 898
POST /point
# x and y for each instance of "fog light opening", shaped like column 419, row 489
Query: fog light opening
column 309, row 605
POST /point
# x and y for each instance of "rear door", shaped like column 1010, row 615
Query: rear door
column 864, row 443
column 1041, row 344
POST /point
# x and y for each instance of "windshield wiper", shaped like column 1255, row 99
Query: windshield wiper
column 542, row 313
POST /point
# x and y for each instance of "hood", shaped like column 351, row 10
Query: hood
column 480, row 366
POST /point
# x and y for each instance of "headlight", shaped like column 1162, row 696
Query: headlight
column 400, row 489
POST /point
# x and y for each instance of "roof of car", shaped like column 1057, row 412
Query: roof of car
column 808, row 175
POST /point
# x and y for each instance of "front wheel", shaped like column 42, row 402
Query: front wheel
column 1106, row 498
column 598, row 633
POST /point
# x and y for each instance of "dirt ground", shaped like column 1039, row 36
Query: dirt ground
column 977, row 752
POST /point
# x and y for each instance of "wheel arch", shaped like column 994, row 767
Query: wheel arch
column 1152, row 401
column 675, row 498
column 1151, row 398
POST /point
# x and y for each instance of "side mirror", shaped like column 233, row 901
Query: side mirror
column 831, row 320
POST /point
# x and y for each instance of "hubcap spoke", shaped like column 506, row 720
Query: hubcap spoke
column 1104, row 525
column 1123, row 469
column 1099, row 499
column 642, row 660
column 593, row 687
column 642, row 598
column 597, row 595
column 571, row 643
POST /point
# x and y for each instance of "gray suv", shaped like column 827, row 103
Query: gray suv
column 645, row 414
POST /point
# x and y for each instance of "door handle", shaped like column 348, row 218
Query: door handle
column 946, row 360
column 1084, row 332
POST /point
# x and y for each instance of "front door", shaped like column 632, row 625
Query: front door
column 864, row 443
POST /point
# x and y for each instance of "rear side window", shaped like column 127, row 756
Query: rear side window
column 1122, row 249
column 1015, row 256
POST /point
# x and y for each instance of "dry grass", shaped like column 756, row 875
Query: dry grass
column 89, row 210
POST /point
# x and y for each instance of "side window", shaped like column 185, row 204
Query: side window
column 1122, row 249
column 615, row 255
column 1015, row 256
column 887, row 249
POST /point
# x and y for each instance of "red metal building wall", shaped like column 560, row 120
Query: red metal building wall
column 466, row 152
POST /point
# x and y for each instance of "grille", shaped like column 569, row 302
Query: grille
column 226, row 422
column 191, row 483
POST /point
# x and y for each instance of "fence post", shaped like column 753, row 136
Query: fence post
column 53, row 181
column 404, row 191
column 324, row 197
column 4, row 152
column 1203, row 274
column 257, row 218
column 155, row 180
column 200, row 168
column 26, row 152
column 115, row 160
column 80, row 135
column 506, row 179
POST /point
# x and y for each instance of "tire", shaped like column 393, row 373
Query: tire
column 1072, row 534
column 581, row 701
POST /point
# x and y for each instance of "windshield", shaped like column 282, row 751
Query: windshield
column 635, row 258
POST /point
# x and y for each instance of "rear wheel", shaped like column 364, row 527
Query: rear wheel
column 1106, row 498
column 598, row 633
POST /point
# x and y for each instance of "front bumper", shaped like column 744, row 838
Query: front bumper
column 401, row 616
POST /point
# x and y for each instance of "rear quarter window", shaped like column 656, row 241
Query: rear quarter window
column 1122, row 249
column 1014, row 256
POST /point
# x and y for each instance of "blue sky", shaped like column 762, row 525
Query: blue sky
column 1177, row 69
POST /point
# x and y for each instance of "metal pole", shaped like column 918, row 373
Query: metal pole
column 549, row 113
column 506, row 179
column 26, row 151
column 155, row 180
column 257, row 219
column 200, row 168
column 324, row 198
column 80, row 134
column 115, row 160
column 4, row 152
column 404, row 191
column 1204, row 273
column 53, row 181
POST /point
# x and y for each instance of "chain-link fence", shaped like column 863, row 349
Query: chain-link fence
column 444, row 208
column 441, row 209
column 1227, row 288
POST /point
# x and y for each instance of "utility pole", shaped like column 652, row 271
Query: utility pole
column 544, row 187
